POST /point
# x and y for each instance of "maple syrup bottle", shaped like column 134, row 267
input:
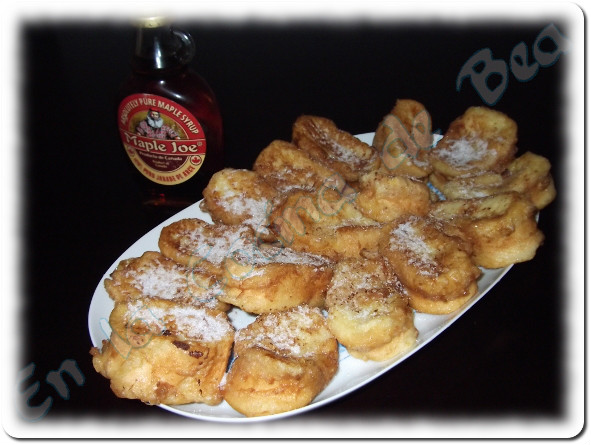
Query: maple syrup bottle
column 169, row 120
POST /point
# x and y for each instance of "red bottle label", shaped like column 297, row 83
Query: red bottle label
column 165, row 142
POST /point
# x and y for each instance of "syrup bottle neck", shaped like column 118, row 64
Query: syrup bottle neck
column 159, row 47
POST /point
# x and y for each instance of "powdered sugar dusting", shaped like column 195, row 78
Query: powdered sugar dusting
column 215, row 248
column 174, row 283
column 459, row 153
column 159, row 281
column 253, row 211
column 265, row 255
column 281, row 331
column 405, row 237
column 349, row 277
column 190, row 322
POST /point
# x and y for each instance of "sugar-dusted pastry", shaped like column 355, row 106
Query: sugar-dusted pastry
column 154, row 276
column 283, row 361
column 270, row 278
column 403, row 140
column 198, row 244
column 437, row 272
column 368, row 311
column 502, row 228
column 333, row 147
column 286, row 168
column 239, row 197
column 162, row 352
column 481, row 139
column 384, row 197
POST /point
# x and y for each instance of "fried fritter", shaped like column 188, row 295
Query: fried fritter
column 480, row 140
column 202, row 245
column 335, row 148
column 438, row 274
column 286, row 167
column 367, row 311
column 164, row 352
column 238, row 196
column 335, row 243
column 529, row 174
column 466, row 187
column 283, row 361
column 155, row 276
column 325, row 208
column 268, row 279
column 403, row 140
column 502, row 228
column 383, row 197
column 323, row 223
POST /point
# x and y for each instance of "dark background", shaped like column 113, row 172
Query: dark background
column 81, row 211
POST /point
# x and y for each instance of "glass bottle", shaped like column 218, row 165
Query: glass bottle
column 168, row 117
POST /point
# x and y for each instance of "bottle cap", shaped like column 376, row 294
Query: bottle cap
column 152, row 22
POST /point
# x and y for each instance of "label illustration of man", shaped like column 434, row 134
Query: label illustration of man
column 153, row 126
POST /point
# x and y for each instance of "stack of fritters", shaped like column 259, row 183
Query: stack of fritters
column 327, row 239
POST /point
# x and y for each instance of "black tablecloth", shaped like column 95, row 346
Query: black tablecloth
column 81, row 211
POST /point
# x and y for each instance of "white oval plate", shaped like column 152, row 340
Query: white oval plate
column 352, row 373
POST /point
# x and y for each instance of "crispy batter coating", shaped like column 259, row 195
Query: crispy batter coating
column 283, row 361
column 268, row 279
column 403, row 140
column 529, row 174
column 238, row 196
column 155, row 276
column 164, row 352
column 367, row 311
column 464, row 187
column 333, row 243
column 286, row 167
column 335, row 148
column 502, row 228
column 437, row 273
column 324, row 208
column 324, row 223
column 201, row 245
column 480, row 140
column 383, row 197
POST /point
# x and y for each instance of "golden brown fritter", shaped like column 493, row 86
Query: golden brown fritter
column 155, row 276
column 239, row 197
column 384, row 198
column 502, row 228
column 201, row 245
column 283, row 361
column 529, row 175
column 480, row 140
column 438, row 274
column 163, row 352
column 286, row 167
column 333, row 147
column 403, row 140
column 368, row 312
column 268, row 279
